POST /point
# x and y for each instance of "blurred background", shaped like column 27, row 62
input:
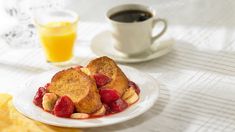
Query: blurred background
column 16, row 16
column 199, row 73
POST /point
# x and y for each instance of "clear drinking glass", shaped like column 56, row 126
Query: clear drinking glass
column 23, row 35
column 57, row 31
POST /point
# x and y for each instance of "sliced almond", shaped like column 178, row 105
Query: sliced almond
column 100, row 112
column 79, row 115
column 129, row 92
column 132, row 99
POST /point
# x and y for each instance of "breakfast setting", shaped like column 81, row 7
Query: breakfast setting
column 117, row 66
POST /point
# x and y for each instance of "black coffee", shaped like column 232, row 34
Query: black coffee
column 131, row 16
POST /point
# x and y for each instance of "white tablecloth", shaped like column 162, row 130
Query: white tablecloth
column 197, row 78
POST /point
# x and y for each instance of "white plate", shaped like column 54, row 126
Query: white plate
column 148, row 96
column 102, row 45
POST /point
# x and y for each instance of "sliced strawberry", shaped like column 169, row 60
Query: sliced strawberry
column 64, row 107
column 108, row 95
column 118, row 105
column 107, row 108
column 38, row 97
column 132, row 84
column 101, row 79
column 47, row 86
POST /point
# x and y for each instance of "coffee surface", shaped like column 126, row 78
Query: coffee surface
column 131, row 16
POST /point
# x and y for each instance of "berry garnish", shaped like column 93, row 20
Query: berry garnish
column 108, row 95
column 107, row 108
column 101, row 79
column 39, row 95
column 64, row 107
column 47, row 86
column 118, row 105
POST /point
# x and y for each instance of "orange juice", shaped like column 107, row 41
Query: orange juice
column 57, row 39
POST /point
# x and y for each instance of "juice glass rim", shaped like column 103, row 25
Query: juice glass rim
column 44, row 25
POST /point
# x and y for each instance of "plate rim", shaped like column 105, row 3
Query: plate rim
column 131, row 116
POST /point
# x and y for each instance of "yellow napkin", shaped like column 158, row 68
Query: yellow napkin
column 12, row 121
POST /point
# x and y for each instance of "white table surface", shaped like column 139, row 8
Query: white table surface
column 197, row 78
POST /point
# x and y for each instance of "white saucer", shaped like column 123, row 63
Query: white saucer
column 102, row 45
column 23, row 101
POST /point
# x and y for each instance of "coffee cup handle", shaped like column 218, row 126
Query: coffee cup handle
column 155, row 22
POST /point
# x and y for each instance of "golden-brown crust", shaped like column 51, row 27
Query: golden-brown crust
column 108, row 67
column 79, row 87
column 89, row 104
column 82, row 89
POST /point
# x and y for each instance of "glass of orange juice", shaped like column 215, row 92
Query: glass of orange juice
column 57, row 32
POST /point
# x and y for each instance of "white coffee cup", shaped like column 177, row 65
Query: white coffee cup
column 133, row 38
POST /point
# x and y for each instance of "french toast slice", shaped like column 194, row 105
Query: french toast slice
column 108, row 67
column 79, row 87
